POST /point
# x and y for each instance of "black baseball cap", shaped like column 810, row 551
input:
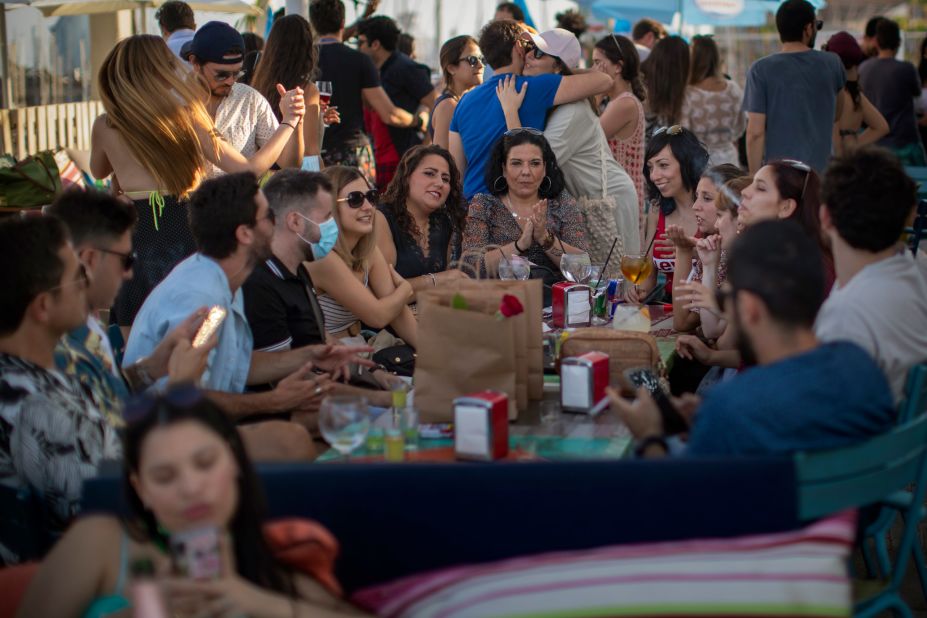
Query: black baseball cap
column 216, row 40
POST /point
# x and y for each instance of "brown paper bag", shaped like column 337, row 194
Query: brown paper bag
column 462, row 351
column 530, row 293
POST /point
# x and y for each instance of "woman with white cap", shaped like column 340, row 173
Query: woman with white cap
column 603, row 190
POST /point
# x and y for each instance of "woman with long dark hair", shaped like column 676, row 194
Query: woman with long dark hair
column 857, row 109
column 289, row 58
column 185, row 469
column 527, row 211
column 622, row 110
column 462, row 65
column 666, row 74
column 421, row 218
column 712, row 105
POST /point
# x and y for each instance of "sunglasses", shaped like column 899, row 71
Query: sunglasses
column 128, row 259
column 355, row 199
column 617, row 47
column 676, row 129
column 139, row 407
column 534, row 49
column 221, row 76
column 819, row 24
column 801, row 167
column 473, row 61
column 82, row 280
column 518, row 130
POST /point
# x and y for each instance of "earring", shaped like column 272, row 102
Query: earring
column 495, row 185
column 550, row 184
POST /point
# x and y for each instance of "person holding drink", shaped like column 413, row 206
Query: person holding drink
column 675, row 162
column 527, row 211
column 186, row 476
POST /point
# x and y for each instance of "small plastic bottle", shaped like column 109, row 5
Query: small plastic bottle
column 394, row 445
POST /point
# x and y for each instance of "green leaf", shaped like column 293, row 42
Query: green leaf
column 459, row 302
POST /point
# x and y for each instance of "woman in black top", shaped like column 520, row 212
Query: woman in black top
column 421, row 217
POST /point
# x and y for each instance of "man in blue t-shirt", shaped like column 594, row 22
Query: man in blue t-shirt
column 479, row 121
column 791, row 97
column 801, row 395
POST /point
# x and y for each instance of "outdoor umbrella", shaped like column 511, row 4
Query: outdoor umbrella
column 52, row 8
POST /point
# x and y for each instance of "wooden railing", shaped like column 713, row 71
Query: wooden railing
column 28, row 130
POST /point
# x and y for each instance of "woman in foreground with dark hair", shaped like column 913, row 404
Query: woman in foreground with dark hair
column 421, row 218
column 185, row 469
column 527, row 211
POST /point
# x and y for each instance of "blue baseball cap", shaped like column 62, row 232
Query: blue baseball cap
column 216, row 40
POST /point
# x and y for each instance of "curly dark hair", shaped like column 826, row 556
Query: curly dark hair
column 573, row 21
column 394, row 200
column 289, row 58
column 869, row 198
column 497, row 40
column 217, row 208
column 688, row 151
column 500, row 153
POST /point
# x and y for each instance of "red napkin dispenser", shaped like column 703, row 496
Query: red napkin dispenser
column 583, row 380
column 481, row 426
column 572, row 304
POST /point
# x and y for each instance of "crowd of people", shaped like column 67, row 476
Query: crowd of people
column 773, row 214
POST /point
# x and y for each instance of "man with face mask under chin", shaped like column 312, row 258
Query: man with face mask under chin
column 280, row 300
column 796, row 394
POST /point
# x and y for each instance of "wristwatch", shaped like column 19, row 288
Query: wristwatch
column 548, row 242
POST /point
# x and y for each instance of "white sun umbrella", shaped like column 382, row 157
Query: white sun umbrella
column 57, row 8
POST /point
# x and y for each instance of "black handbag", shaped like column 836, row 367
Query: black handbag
column 397, row 359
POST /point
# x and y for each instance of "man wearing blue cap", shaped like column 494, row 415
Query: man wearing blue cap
column 242, row 115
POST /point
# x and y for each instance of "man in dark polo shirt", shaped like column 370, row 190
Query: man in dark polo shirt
column 408, row 85
column 280, row 300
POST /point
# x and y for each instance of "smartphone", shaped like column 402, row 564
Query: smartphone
column 673, row 421
column 196, row 553
column 210, row 325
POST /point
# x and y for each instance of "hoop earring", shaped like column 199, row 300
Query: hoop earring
column 495, row 185
column 550, row 184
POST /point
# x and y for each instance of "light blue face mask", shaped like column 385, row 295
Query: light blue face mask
column 327, row 240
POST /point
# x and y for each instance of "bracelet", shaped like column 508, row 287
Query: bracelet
column 434, row 281
column 517, row 248
column 137, row 376
column 548, row 242
column 292, row 126
column 649, row 441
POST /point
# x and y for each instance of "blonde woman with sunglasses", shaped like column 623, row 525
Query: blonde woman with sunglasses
column 156, row 139
column 354, row 283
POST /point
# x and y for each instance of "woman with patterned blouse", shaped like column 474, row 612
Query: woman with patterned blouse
column 712, row 106
column 527, row 211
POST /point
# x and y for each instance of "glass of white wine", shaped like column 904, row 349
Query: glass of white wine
column 576, row 267
column 344, row 421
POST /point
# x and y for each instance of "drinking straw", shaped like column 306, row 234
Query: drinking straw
column 605, row 265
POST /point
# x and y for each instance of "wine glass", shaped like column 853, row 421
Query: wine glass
column 514, row 268
column 344, row 422
column 576, row 267
column 636, row 267
column 325, row 91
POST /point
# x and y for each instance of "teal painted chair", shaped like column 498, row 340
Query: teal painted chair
column 870, row 474
column 875, row 537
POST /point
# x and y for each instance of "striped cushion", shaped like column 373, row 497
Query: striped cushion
column 799, row 573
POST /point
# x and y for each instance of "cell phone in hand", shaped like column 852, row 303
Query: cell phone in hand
column 210, row 325
column 673, row 421
column 196, row 554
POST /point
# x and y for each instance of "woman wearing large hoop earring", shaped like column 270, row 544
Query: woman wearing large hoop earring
column 517, row 215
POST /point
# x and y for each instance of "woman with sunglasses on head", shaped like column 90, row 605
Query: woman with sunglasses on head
column 527, row 211
column 421, row 218
column 158, row 163
column 603, row 191
column 289, row 58
column 622, row 109
column 462, row 65
column 712, row 104
column 185, row 471
column 355, row 284
column 788, row 189
column 675, row 163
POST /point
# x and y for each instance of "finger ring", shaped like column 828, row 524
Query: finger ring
column 318, row 390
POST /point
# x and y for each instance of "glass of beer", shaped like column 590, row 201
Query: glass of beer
column 636, row 268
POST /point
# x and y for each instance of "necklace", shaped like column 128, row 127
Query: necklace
column 520, row 219
column 422, row 234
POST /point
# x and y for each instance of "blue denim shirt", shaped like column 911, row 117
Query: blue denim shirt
column 197, row 282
